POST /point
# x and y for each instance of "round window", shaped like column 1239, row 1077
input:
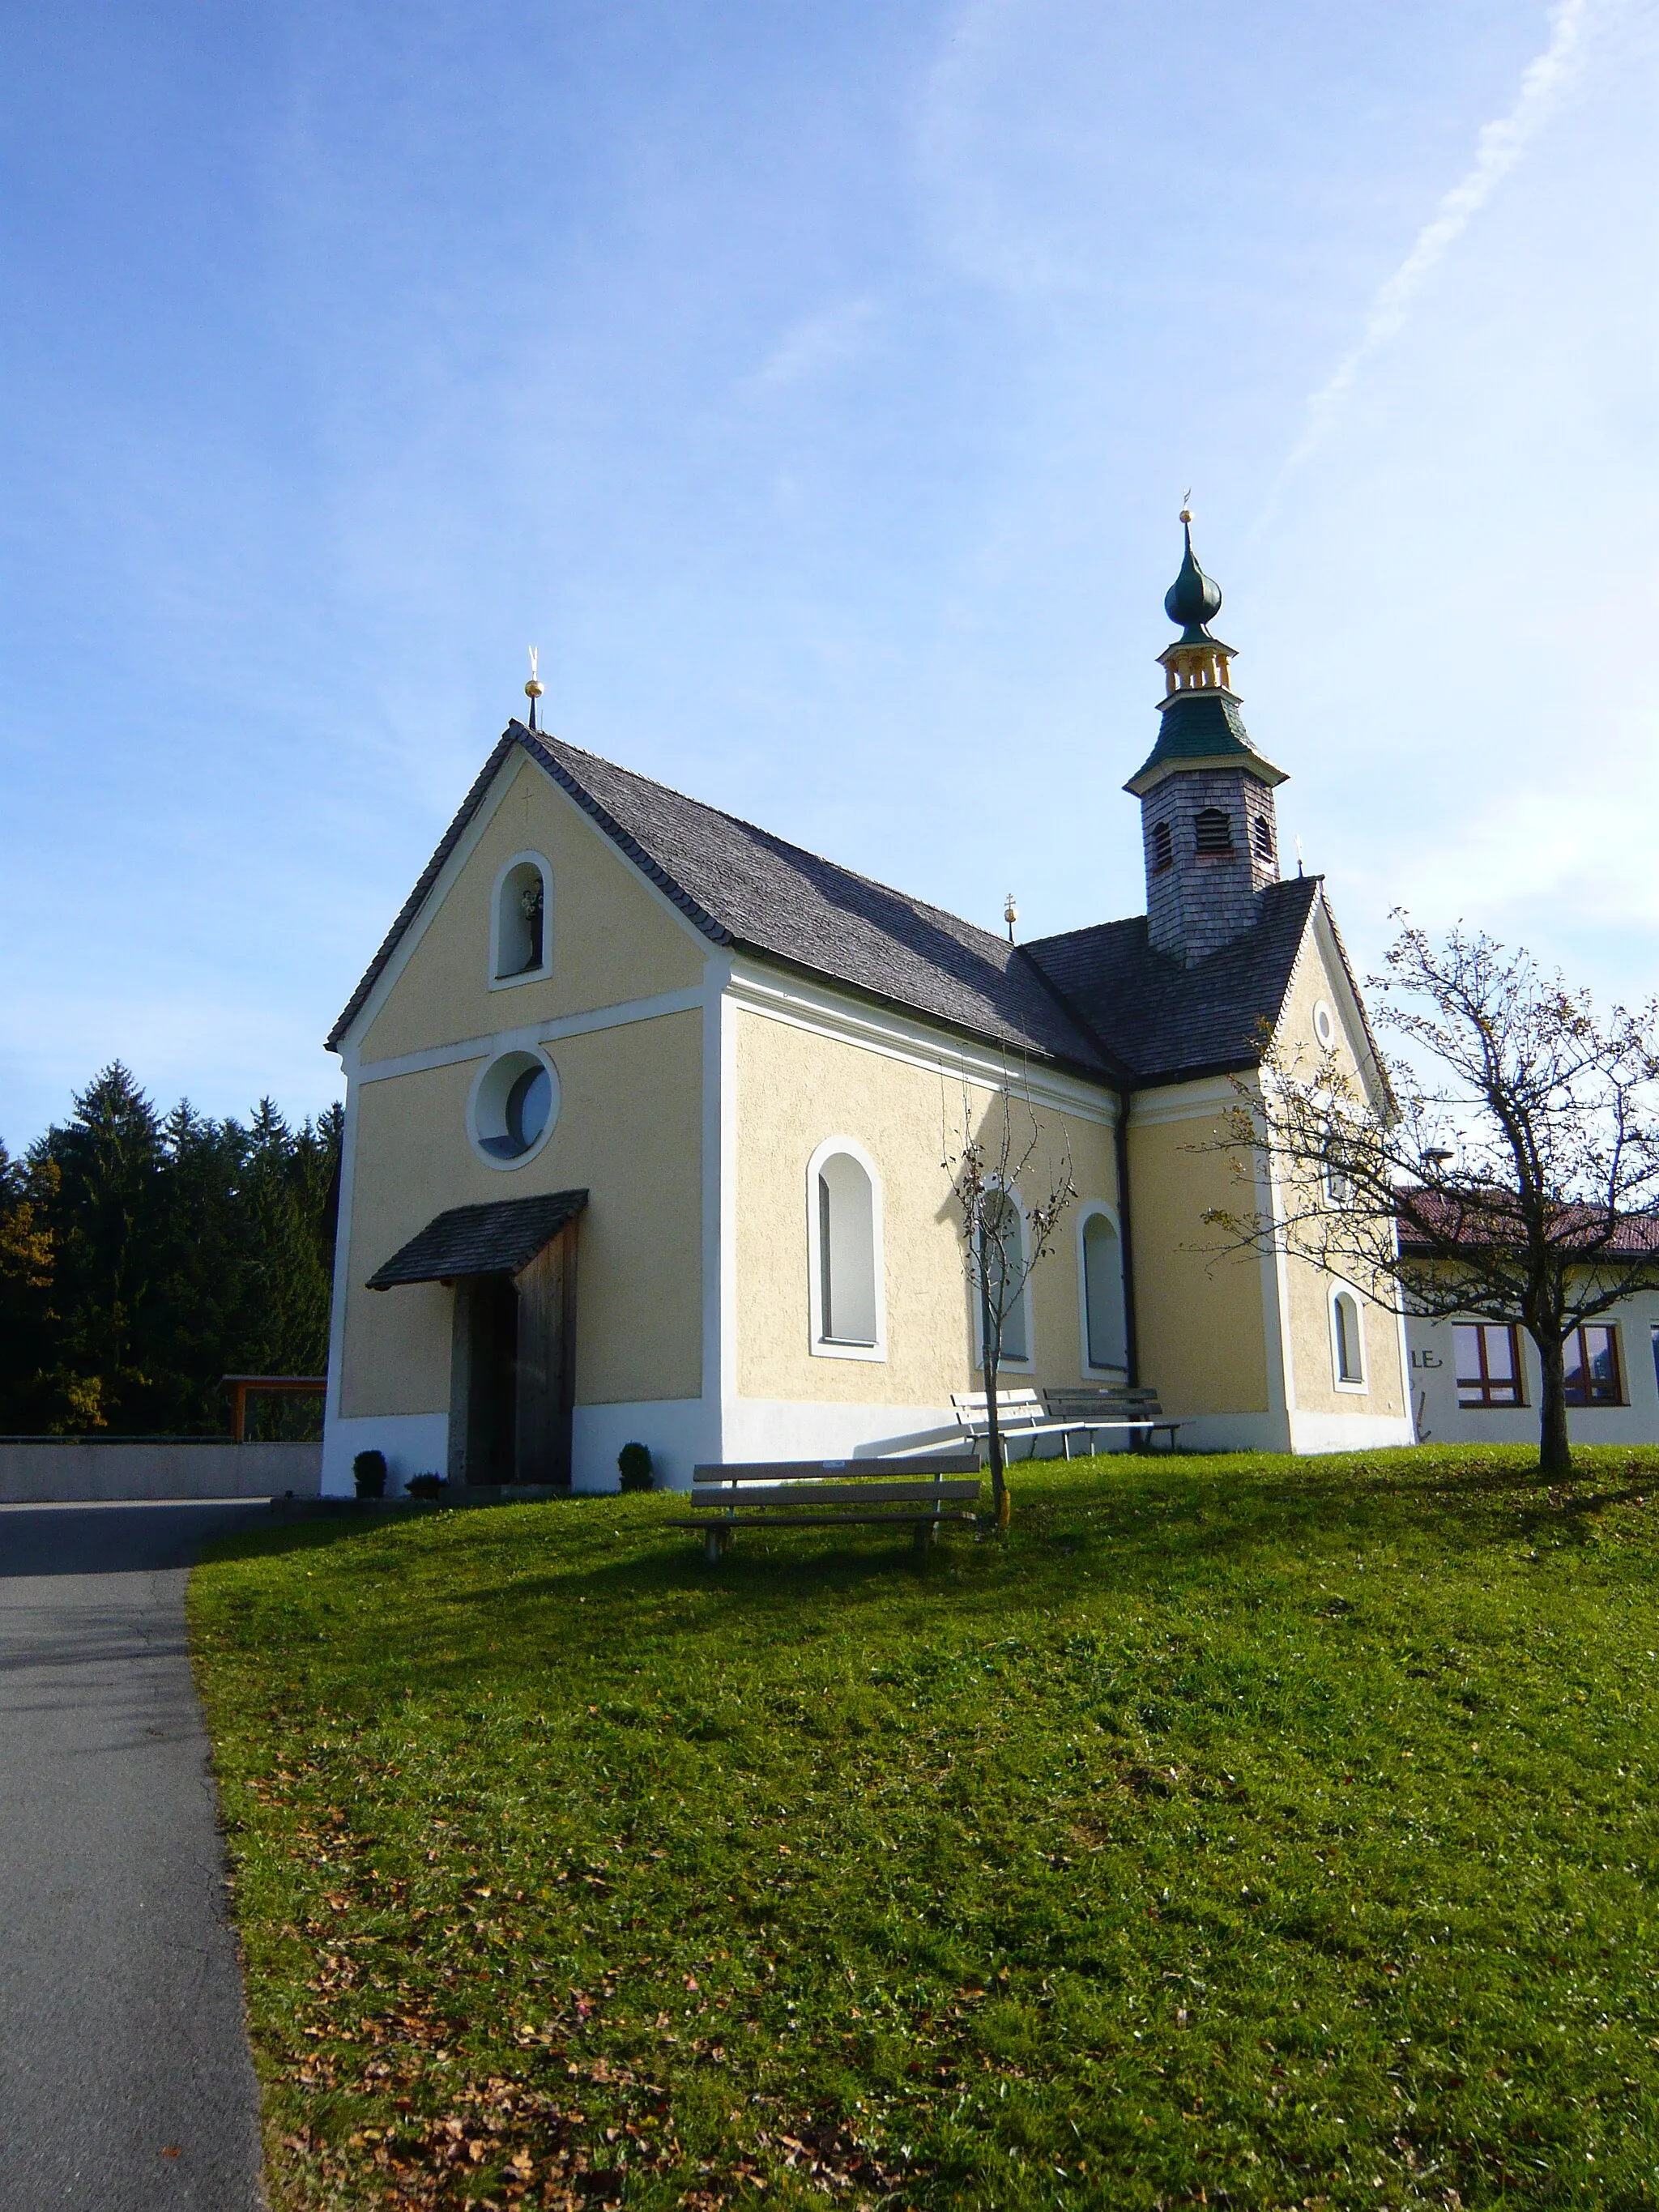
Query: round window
column 1324, row 1024
column 515, row 1103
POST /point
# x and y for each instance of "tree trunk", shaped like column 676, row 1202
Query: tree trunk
column 990, row 1349
column 1554, row 1448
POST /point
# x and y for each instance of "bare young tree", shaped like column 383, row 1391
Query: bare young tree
column 1511, row 1175
column 991, row 1164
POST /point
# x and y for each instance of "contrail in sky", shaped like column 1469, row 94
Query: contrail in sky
column 1500, row 146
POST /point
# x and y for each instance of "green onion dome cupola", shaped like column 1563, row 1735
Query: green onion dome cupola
column 1205, row 792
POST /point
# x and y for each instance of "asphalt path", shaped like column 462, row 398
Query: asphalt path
column 126, row 2081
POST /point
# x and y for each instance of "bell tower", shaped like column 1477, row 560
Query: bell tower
column 1207, row 821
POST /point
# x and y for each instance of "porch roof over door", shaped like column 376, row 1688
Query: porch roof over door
column 496, row 1239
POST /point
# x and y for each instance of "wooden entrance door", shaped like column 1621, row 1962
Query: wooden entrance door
column 545, row 1394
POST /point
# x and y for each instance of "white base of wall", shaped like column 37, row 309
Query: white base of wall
column 1217, row 1432
column 789, row 1428
column 414, row 1443
column 1344, row 1432
column 680, row 1433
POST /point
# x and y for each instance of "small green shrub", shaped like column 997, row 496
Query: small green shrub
column 424, row 1485
column 633, row 1465
column 369, row 1472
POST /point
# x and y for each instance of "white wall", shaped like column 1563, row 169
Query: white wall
column 1441, row 1420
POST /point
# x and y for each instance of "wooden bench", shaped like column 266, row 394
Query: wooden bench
column 1020, row 1414
column 1093, row 1412
column 918, row 1491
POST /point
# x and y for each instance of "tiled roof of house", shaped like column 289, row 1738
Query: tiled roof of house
column 1436, row 1223
column 1099, row 1001
column 493, row 1239
column 1166, row 1021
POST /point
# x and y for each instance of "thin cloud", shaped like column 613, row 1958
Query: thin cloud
column 1499, row 147
column 817, row 344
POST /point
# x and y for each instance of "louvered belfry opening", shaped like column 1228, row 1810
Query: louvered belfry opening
column 1213, row 832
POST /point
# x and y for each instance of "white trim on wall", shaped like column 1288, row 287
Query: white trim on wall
column 820, row 1346
column 495, row 980
column 532, row 1034
column 337, row 1317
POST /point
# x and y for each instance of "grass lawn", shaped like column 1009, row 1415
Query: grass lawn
column 1244, row 1831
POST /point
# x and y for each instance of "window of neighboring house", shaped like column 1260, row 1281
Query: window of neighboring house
column 1003, row 1261
column 1105, row 1331
column 521, row 921
column 1488, row 1356
column 1213, row 830
column 846, row 1253
column 1163, row 847
column 1655, row 1351
column 1262, row 837
column 1591, row 1354
column 1348, row 1341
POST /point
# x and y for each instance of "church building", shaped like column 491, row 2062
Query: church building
column 646, row 1109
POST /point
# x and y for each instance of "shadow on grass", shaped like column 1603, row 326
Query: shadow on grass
column 534, row 1577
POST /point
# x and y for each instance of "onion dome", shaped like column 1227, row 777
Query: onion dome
column 1194, row 598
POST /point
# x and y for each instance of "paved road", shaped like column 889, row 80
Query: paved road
column 126, row 2082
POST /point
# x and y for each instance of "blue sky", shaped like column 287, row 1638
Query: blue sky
column 817, row 387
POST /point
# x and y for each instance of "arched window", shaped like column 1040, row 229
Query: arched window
column 1213, row 832
column 1002, row 1258
column 521, row 926
column 1348, row 1341
column 1261, row 836
column 1163, row 847
column 1105, row 1336
column 844, row 1240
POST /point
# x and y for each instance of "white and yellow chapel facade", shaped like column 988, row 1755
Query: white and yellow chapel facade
column 643, row 1132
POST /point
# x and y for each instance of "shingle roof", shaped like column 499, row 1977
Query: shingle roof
column 1098, row 999
column 493, row 1239
column 742, row 886
column 1204, row 725
column 1166, row 1021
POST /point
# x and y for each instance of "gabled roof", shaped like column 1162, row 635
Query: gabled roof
column 1099, row 1001
column 493, row 1239
column 741, row 887
column 1168, row 1022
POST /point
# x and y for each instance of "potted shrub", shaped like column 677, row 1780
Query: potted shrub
column 369, row 1472
column 634, row 1466
column 425, row 1485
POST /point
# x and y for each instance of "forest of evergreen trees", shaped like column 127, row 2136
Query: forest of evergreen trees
column 142, row 1257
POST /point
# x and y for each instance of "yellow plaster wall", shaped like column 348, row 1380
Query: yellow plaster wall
column 1308, row 1289
column 629, row 1131
column 612, row 939
column 793, row 1090
column 1198, row 1314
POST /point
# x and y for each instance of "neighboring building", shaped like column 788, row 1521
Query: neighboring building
column 643, row 1131
column 1478, row 1382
